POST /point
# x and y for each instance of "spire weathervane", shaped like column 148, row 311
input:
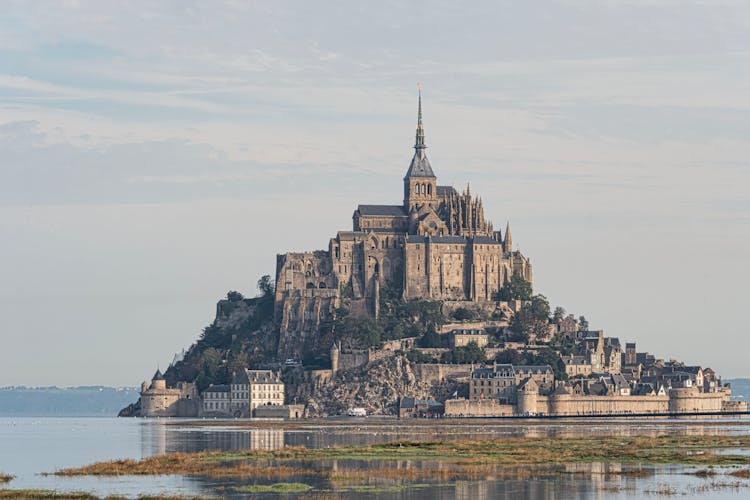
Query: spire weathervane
column 419, row 143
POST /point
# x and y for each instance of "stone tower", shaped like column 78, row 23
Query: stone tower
column 508, row 242
column 335, row 352
column 420, row 183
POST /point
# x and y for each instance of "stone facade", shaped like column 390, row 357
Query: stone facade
column 436, row 245
column 158, row 400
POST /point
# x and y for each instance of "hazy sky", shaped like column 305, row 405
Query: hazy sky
column 154, row 155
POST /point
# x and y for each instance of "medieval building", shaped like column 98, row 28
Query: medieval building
column 436, row 245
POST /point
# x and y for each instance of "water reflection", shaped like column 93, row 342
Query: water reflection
column 160, row 437
column 31, row 446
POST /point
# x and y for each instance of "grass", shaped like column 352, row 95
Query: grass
column 34, row 494
column 467, row 458
column 274, row 488
column 73, row 495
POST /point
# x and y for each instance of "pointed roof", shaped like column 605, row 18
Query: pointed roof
column 420, row 165
column 158, row 375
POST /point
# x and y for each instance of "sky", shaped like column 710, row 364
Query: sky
column 155, row 155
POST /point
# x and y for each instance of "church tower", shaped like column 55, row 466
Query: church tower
column 420, row 183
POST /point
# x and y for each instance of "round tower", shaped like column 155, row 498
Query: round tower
column 527, row 397
column 158, row 382
column 335, row 351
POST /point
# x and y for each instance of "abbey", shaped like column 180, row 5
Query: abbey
column 436, row 245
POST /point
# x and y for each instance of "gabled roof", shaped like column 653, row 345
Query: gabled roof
column 561, row 390
column 380, row 210
column 406, row 403
column 534, row 368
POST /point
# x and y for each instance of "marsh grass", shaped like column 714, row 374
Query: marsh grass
column 274, row 488
column 741, row 473
column 441, row 460
column 34, row 494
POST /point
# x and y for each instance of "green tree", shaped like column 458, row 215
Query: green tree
column 464, row 314
column 416, row 356
column 517, row 289
column 471, row 353
column 431, row 338
column 234, row 296
column 559, row 314
column 509, row 356
column 532, row 320
column 266, row 286
column 583, row 323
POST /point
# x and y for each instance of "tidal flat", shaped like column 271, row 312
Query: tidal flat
column 375, row 458
column 403, row 465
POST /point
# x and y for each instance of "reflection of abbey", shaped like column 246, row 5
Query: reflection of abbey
column 437, row 242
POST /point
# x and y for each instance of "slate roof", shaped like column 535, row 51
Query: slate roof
column 407, row 403
column 217, row 388
column 381, row 210
column 486, row 240
column 446, row 190
column 158, row 375
column 448, row 239
column 420, row 166
column 533, row 368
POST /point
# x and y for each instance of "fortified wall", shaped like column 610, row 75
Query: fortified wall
column 683, row 400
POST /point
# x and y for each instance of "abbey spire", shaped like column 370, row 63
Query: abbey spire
column 419, row 145
column 420, row 183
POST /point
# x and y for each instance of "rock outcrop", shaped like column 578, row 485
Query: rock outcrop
column 376, row 387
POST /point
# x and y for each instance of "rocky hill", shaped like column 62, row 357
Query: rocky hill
column 375, row 386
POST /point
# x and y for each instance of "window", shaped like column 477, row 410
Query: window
column 429, row 188
column 416, row 188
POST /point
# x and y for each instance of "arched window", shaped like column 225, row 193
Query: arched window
column 322, row 285
column 416, row 188
column 429, row 188
column 424, row 189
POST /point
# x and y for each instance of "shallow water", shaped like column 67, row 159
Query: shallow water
column 30, row 446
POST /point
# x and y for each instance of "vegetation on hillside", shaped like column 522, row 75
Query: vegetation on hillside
column 517, row 289
column 223, row 349
column 397, row 319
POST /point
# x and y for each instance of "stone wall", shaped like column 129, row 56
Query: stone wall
column 437, row 372
column 280, row 411
column 484, row 408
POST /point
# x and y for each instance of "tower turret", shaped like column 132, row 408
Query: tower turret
column 508, row 241
column 420, row 183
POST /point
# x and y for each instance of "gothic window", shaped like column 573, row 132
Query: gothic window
column 424, row 190
column 429, row 188
column 322, row 285
column 416, row 188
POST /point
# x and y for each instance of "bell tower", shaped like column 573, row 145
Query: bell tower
column 420, row 183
